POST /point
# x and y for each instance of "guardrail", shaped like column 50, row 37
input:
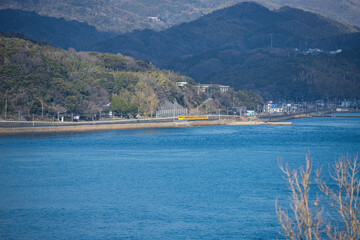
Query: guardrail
column 26, row 124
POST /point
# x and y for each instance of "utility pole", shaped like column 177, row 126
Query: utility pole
column 42, row 107
column 5, row 108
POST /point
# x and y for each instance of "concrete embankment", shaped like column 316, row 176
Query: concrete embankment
column 100, row 127
column 261, row 123
column 284, row 117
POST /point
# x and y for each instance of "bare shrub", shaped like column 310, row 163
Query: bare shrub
column 306, row 220
column 343, row 198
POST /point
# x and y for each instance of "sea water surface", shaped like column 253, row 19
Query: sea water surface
column 183, row 183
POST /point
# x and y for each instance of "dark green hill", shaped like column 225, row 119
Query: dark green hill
column 279, row 74
column 248, row 46
column 41, row 79
column 81, row 82
column 57, row 31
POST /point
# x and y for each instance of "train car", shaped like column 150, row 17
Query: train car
column 194, row 117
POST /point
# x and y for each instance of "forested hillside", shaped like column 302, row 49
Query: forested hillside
column 58, row 32
column 279, row 74
column 126, row 16
column 80, row 82
column 40, row 79
column 248, row 46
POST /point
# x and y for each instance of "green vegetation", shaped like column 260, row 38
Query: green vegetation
column 249, row 99
column 43, row 80
column 77, row 82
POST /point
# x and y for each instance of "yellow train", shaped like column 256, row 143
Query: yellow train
column 195, row 117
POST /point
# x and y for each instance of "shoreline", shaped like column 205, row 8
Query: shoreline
column 103, row 127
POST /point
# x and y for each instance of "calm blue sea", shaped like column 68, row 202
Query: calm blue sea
column 183, row 183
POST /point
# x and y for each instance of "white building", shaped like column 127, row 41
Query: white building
column 224, row 88
column 181, row 84
column 155, row 19
column 204, row 87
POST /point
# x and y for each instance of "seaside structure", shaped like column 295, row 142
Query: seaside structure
column 205, row 87
column 168, row 109
column 181, row 84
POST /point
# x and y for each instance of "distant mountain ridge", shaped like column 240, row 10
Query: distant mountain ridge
column 126, row 16
column 57, row 31
column 248, row 46
column 243, row 26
